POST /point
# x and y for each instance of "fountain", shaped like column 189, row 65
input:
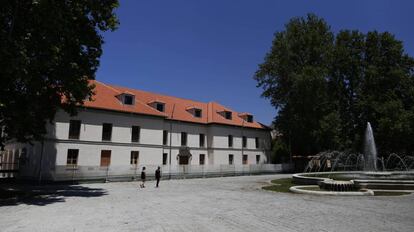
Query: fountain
column 370, row 150
column 342, row 173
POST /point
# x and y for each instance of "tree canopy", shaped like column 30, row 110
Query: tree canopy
column 49, row 50
column 327, row 86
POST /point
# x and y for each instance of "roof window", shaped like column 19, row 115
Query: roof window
column 128, row 99
column 197, row 113
column 228, row 115
column 160, row 106
column 246, row 117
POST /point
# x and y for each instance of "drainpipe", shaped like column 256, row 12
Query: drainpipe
column 41, row 161
column 269, row 154
column 242, row 148
column 2, row 136
column 290, row 152
column 172, row 113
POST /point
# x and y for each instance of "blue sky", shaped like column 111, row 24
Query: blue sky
column 208, row 50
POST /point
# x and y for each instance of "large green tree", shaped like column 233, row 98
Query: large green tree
column 372, row 79
column 344, row 84
column 294, row 78
column 387, row 96
column 49, row 50
column 326, row 88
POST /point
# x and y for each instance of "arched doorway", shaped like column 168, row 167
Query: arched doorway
column 184, row 156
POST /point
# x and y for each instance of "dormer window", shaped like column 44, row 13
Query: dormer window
column 228, row 115
column 246, row 117
column 128, row 99
column 160, row 106
column 197, row 113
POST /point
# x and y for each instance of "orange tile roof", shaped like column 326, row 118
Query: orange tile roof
column 175, row 108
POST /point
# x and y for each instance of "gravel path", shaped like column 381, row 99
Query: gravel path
column 216, row 204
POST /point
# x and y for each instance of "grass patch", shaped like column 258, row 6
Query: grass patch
column 384, row 193
column 280, row 185
column 283, row 185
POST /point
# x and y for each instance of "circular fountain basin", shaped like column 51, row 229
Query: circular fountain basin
column 303, row 189
column 386, row 174
column 356, row 181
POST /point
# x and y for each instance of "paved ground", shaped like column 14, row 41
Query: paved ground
column 217, row 204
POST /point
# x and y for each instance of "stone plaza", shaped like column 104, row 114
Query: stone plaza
column 210, row 204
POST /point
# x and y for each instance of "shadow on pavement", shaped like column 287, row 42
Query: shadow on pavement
column 44, row 194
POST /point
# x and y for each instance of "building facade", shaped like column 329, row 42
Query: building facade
column 121, row 130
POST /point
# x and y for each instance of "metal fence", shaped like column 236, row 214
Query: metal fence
column 8, row 170
column 132, row 172
column 9, row 164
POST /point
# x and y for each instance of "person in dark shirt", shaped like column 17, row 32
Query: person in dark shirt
column 143, row 176
column 158, row 175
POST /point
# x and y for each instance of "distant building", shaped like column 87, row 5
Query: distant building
column 125, row 128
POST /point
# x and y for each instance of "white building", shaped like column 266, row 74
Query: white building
column 123, row 129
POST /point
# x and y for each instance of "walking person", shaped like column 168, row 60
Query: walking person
column 143, row 176
column 158, row 175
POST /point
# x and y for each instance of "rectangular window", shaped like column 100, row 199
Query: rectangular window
column 245, row 159
column 256, row 141
column 128, row 100
column 160, row 107
column 106, row 132
column 202, row 159
column 105, row 158
column 197, row 113
column 202, row 140
column 257, row 159
column 183, row 139
column 244, row 141
column 136, row 132
column 230, row 141
column 72, row 159
column 164, row 158
column 227, row 115
column 74, row 129
column 249, row 118
column 165, row 137
column 231, row 159
column 134, row 157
